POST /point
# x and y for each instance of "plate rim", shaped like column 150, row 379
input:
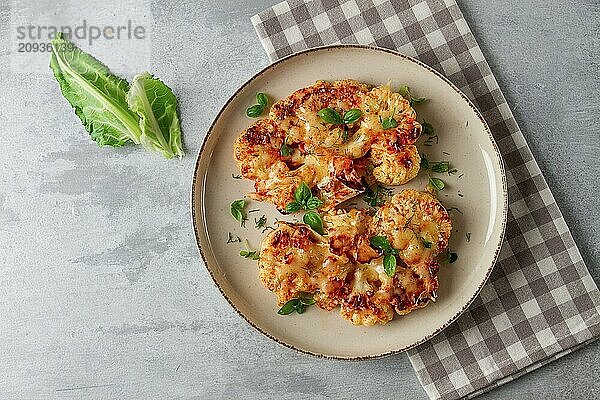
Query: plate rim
column 196, row 183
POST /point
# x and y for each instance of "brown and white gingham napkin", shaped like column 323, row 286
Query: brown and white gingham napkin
column 541, row 302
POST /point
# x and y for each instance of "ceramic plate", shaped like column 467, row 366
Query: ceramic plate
column 478, row 190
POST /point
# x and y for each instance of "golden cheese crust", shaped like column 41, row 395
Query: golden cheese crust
column 342, row 269
column 335, row 161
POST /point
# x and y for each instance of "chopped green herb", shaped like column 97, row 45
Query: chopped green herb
column 427, row 128
column 427, row 244
column 255, row 111
column 314, row 220
column 330, row 116
column 405, row 92
column 415, row 101
column 352, row 116
column 285, row 150
column 424, row 162
column 440, row 166
column 233, row 239
column 236, row 176
column 262, row 99
column 299, row 304
column 375, row 195
column 237, row 210
column 261, row 222
column 389, row 259
column 253, row 255
column 453, row 257
column 436, row 183
column 468, row 236
column 389, row 122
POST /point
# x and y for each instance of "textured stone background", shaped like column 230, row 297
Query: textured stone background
column 102, row 292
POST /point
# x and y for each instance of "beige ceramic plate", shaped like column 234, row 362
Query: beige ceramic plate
column 478, row 190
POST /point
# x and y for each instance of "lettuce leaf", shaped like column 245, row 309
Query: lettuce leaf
column 156, row 106
column 98, row 96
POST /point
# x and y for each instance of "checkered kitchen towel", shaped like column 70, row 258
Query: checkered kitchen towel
column 541, row 302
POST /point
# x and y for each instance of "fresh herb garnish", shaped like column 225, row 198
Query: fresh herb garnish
column 233, row 239
column 449, row 257
column 236, row 176
column 298, row 304
column 112, row 111
column 427, row 128
column 303, row 199
column 314, row 220
column 405, row 92
column 427, row 244
column 331, row 116
column 468, row 236
column 389, row 260
column 256, row 110
column 285, row 150
column 375, row 195
column 253, row 255
column 389, row 122
column 237, row 210
column 436, row 183
column 260, row 222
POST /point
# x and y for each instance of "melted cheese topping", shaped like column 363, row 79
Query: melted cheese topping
column 334, row 160
column 342, row 269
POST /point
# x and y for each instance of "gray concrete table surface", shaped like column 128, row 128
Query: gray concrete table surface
column 102, row 292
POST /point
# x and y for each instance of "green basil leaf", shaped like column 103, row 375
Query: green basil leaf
column 255, row 111
column 313, row 203
column 427, row 244
column 307, row 301
column 424, row 163
column 440, row 166
column 236, row 208
column 262, row 99
column 404, row 91
column 380, row 242
column 314, row 220
column 293, row 207
column 389, row 122
column 302, row 193
column 253, row 255
column 285, row 150
column 299, row 307
column 351, row 116
column 288, row 307
column 417, row 100
column 330, row 116
column 436, row 183
column 427, row 128
column 389, row 264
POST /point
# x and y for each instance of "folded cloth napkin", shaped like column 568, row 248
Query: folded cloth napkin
column 540, row 302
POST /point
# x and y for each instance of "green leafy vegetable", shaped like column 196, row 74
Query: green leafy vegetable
column 427, row 128
column 298, row 304
column 436, row 183
column 405, row 92
column 98, row 96
column 352, row 115
column 262, row 99
column 256, row 110
column 293, row 207
column 285, row 150
column 330, row 116
column 156, row 106
column 253, row 255
column 440, row 166
column 389, row 260
column 302, row 193
column 389, row 264
column 389, row 122
column 375, row 195
column 237, row 210
column 314, row 220
column 313, row 203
